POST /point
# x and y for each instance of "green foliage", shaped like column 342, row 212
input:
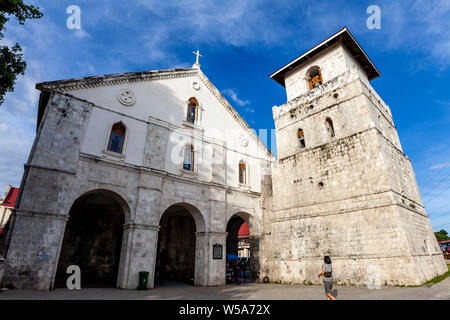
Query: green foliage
column 442, row 235
column 11, row 59
column 11, row 65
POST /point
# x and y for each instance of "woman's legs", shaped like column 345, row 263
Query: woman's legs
column 330, row 297
column 328, row 288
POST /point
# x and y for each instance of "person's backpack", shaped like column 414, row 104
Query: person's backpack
column 328, row 274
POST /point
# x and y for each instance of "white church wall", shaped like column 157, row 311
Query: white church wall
column 164, row 102
column 99, row 130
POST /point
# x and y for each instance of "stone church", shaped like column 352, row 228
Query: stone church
column 155, row 171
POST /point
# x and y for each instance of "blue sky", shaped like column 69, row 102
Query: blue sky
column 242, row 43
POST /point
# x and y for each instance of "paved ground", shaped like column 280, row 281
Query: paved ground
column 440, row 291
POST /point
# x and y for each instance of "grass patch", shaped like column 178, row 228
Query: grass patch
column 437, row 279
column 430, row 282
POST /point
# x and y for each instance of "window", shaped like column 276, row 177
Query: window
column 192, row 112
column 314, row 77
column 242, row 173
column 117, row 137
column 301, row 138
column 329, row 126
column 188, row 163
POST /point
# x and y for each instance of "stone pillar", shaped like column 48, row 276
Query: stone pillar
column 33, row 252
column 255, row 263
column 209, row 271
column 138, row 254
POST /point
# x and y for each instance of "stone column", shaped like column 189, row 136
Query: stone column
column 138, row 254
column 33, row 252
column 209, row 271
column 255, row 263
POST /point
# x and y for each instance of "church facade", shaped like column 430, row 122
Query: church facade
column 155, row 171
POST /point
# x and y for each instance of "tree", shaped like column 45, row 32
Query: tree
column 442, row 235
column 11, row 59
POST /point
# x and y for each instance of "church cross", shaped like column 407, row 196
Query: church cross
column 198, row 55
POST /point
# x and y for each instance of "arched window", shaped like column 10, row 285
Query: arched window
column 117, row 137
column 329, row 126
column 314, row 77
column 192, row 112
column 242, row 172
column 188, row 163
column 301, row 138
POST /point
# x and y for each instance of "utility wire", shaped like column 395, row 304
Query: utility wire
column 432, row 178
column 441, row 207
column 442, row 180
column 429, row 200
column 440, row 215
column 441, row 225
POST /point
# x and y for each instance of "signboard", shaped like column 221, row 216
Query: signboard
column 217, row 251
column 43, row 256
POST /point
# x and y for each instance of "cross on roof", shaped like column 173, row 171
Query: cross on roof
column 198, row 55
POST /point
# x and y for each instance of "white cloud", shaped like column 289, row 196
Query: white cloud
column 81, row 34
column 232, row 94
column 441, row 165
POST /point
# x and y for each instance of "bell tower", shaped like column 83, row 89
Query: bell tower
column 342, row 185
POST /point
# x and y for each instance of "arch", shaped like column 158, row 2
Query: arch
column 192, row 110
column 238, row 245
column 93, row 239
column 177, row 257
column 117, row 137
column 329, row 126
column 301, row 138
column 200, row 222
column 114, row 195
column 314, row 77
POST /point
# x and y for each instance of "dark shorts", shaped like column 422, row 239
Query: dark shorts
column 328, row 284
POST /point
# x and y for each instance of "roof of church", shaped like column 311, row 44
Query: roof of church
column 77, row 83
column 343, row 36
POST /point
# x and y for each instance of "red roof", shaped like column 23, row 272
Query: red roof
column 243, row 231
column 10, row 199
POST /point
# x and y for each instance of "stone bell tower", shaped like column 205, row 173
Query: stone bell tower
column 342, row 185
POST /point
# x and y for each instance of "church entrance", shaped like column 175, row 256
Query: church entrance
column 238, row 268
column 92, row 241
column 175, row 261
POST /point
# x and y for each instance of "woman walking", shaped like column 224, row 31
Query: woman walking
column 327, row 277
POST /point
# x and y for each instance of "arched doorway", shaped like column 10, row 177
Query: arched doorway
column 93, row 240
column 238, row 266
column 176, row 251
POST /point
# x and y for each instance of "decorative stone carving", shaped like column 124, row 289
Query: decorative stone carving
column 196, row 85
column 243, row 140
column 126, row 97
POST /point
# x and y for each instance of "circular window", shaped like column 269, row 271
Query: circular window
column 126, row 97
